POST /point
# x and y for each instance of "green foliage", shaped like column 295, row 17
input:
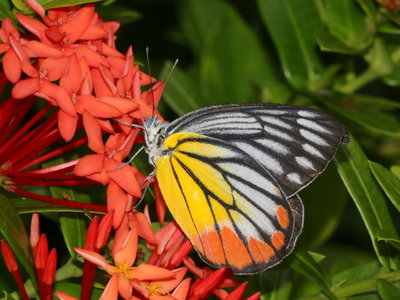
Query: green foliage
column 342, row 56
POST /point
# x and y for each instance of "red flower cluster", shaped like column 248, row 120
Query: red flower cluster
column 77, row 68
column 70, row 60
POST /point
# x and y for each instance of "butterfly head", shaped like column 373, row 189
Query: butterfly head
column 154, row 134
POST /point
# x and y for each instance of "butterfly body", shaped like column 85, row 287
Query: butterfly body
column 230, row 176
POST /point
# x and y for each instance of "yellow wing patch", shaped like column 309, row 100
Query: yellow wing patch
column 226, row 203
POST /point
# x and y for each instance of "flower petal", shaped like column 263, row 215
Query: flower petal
column 124, row 287
column 93, row 257
column 145, row 272
column 144, row 227
column 123, row 104
column 54, row 67
column 76, row 26
column 116, row 200
column 12, row 66
column 59, row 95
column 93, row 58
column 126, row 255
column 101, row 177
column 24, row 88
column 66, row 125
column 34, row 26
column 124, row 177
column 255, row 296
column 111, row 290
column 89, row 164
column 237, row 293
column 104, row 230
column 93, row 133
column 38, row 49
column 96, row 107
column 63, row 296
column 168, row 285
column 182, row 290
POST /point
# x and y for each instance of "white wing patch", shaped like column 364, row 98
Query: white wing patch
column 312, row 125
column 313, row 151
column 304, row 162
column 294, row 177
column 308, row 135
column 266, row 160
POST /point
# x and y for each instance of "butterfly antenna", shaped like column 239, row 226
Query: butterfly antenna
column 151, row 82
column 130, row 124
column 149, row 179
column 170, row 73
column 128, row 162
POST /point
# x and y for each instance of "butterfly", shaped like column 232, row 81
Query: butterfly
column 230, row 175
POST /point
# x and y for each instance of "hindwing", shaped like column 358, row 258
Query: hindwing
column 229, row 206
column 294, row 144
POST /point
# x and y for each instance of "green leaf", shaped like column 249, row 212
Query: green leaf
column 292, row 25
column 389, row 182
column 5, row 10
column 277, row 285
column 329, row 43
column 354, row 169
column 13, row 230
column 387, row 290
column 389, row 28
column 324, row 202
column 347, row 23
column 379, row 58
column 123, row 14
column 47, row 4
column 228, row 70
column 307, row 266
column 356, row 274
column 370, row 9
column 8, row 296
column 365, row 111
column 395, row 170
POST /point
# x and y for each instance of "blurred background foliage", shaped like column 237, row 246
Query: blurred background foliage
column 342, row 56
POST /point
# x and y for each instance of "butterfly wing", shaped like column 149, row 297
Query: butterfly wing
column 293, row 143
column 231, row 209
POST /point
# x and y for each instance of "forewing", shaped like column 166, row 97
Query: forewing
column 294, row 144
column 231, row 209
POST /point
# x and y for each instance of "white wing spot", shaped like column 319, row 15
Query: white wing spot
column 306, row 114
column 275, row 146
column 313, row 137
column 312, row 150
column 275, row 121
column 304, row 162
column 278, row 133
column 312, row 125
column 262, row 157
column 294, row 177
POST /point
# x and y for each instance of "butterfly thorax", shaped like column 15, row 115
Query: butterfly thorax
column 154, row 134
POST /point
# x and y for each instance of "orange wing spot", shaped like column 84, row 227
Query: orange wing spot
column 236, row 253
column 196, row 243
column 213, row 248
column 260, row 251
column 283, row 217
column 278, row 240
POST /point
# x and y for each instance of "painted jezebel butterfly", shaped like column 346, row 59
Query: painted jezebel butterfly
column 230, row 175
